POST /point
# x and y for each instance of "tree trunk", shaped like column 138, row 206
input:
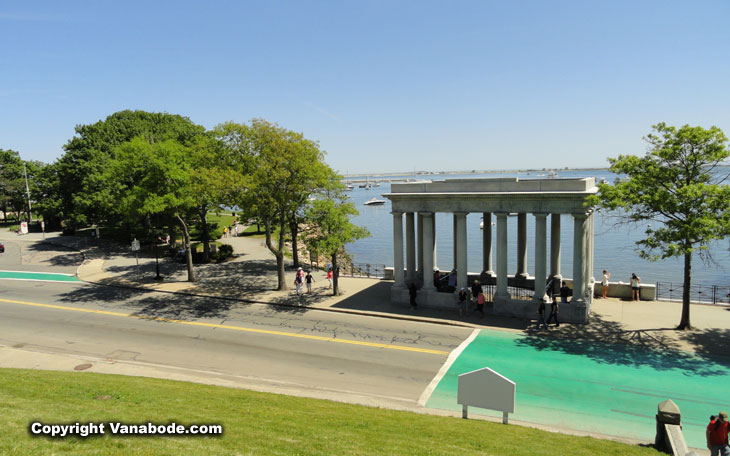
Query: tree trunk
column 280, row 255
column 294, row 227
column 684, row 323
column 278, row 252
column 205, row 233
column 335, row 276
column 188, row 252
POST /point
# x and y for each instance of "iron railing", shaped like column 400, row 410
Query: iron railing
column 700, row 294
column 363, row 270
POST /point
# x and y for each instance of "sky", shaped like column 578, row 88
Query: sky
column 384, row 86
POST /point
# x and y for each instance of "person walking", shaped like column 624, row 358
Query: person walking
column 636, row 288
column 330, row 276
column 309, row 279
column 541, row 315
column 298, row 279
column 716, row 434
column 604, row 282
column 554, row 310
column 412, row 292
column 462, row 302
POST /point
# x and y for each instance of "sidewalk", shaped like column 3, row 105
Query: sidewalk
column 250, row 277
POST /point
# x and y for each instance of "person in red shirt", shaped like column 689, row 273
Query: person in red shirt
column 717, row 436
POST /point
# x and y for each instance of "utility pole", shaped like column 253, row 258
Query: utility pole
column 27, row 192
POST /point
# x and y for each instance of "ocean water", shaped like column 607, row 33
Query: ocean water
column 614, row 242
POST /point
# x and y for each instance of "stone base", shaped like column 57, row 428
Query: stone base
column 570, row 312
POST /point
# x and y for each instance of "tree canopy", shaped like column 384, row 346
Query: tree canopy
column 283, row 169
column 678, row 186
column 89, row 154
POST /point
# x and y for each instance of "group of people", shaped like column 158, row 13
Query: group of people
column 301, row 278
column 635, row 282
column 232, row 230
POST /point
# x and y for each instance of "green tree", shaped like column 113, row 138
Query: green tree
column 677, row 187
column 332, row 230
column 12, row 183
column 279, row 170
column 155, row 178
column 45, row 193
column 82, row 171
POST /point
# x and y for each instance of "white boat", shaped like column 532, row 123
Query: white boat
column 374, row 202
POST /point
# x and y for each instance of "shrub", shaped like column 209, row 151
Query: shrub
column 224, row 251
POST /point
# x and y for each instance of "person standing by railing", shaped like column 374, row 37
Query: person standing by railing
column 635, row 287
column 604, row 282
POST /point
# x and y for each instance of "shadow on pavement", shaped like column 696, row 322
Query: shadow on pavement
column 607, row 342
column 376, row 298
column 710, row 342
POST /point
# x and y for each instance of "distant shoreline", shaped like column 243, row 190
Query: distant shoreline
column 471, row 171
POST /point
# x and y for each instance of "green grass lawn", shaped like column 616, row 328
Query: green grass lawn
column 254, row 423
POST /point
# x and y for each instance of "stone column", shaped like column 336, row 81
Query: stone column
column 540, row 254
column 428, row 251
column 419, row 247
column 410, row 248
column 456, row 248
column 579, row 257
column 398, row 249
column 555, row 247
column 487, row 243
column 502, row 295
column 433, row 243
column 589, row 279
column 460, row 235
column 522, row 246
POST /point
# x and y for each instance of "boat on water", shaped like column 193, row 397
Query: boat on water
column 374, row 202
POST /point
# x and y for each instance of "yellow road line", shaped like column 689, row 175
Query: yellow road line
column 235, row 328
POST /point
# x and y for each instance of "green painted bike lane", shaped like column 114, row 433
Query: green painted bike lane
column 597, row 387
column 44, row 276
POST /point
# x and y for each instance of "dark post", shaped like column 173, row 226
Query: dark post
column 157, row 262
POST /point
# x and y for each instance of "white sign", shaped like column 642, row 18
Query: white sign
column 23, row 227
column 485, row 388
column 135, row 245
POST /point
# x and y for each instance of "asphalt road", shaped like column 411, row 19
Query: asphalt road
column 368, row 360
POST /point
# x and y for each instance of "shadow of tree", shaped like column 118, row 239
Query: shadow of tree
column 607, row 342
column 52, row 255
column 710, row 343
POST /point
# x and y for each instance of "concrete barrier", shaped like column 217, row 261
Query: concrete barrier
column 622, row 290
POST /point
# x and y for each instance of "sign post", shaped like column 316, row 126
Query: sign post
column 487, row 389
column 135, row 249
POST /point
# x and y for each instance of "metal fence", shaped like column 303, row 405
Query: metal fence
column 700, row 294
column 363, row 270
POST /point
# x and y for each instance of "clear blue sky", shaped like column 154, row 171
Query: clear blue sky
column 382, row 85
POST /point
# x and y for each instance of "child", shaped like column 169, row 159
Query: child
column 330, row 275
